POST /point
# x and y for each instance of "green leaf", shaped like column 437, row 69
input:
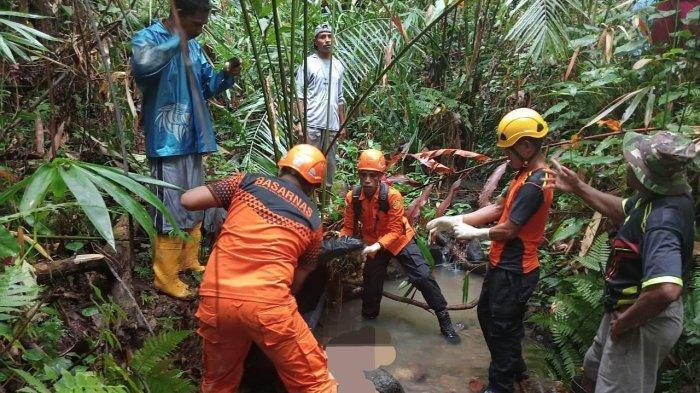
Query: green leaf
column 157, row 348
column 90, row 201
column 630, row 46
column 556, row 108
column 22, row 15
column 124, row 200
column 84, row 381
column 75, row 246
column 36, row 190
column 33, row 355
column 26, row 30
column 584, row 41
column 661, row 14
column 32, row 381
column 133, row 176
column 631, row 108
column 465, row 288
column 18, row 289
column 671, row 96
column 649, row 110
column 257, row 7
column 425, row 250
column 90, row 311
column 618, row 101
column 568, row 228
column 6, row 49
column 131, row 185
column 8, row 244
column 5, row 195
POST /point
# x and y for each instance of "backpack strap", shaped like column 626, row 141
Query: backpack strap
column 357, row 203
column 383, row 197
column 357, row 208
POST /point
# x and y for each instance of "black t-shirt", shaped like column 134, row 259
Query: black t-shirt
column 527, row 201
column 653, row 246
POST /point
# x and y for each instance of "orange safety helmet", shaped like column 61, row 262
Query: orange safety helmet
column 307, row 160
column 371, row 160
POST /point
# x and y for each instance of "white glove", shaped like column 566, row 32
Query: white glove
column 466, row 232
column 371, row 250
column 444, row 223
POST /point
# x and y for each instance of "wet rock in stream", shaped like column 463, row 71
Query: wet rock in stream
column 383, row 381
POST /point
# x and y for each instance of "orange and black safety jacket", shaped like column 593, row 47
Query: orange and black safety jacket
column 527, row 205
column 271, row 227
column 390, row 228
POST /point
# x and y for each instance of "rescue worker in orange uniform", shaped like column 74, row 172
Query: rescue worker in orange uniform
column 521, row 212
column 268, row 244
column 374, row 212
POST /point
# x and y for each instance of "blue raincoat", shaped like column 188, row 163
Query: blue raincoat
column 172, row 125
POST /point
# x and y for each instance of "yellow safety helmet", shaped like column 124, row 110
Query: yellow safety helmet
column 519, row 123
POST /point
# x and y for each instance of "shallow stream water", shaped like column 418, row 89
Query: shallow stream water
column 406, row 341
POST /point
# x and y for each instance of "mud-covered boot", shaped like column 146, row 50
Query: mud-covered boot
column 446, row 327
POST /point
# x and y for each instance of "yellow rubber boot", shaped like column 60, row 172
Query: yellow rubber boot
column 166, row 266
column 189, row 260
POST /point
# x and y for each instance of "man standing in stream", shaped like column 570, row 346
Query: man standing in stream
column 178, row 129
column 374, row 213
column 521, row 213
column 325, row 105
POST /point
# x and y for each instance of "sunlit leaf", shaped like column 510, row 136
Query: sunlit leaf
column 124, row 200
column 134, row 187
column 649, row 110
column 617, row 102
column 90, row 201
column 36, row 190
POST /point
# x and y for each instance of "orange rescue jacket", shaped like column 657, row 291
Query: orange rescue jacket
column 531, row 233
column 390, row 229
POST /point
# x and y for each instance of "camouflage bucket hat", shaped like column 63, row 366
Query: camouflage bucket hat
column 658, row 160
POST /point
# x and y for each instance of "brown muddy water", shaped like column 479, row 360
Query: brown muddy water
column 407, row 341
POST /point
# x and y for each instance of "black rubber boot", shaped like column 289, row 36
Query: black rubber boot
column 446, row 328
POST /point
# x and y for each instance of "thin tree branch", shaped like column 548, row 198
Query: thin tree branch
column 389, row 66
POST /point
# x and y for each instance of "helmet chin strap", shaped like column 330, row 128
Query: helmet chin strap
column 525, row 161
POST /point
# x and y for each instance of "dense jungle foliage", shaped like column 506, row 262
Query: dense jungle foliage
column 421, row 76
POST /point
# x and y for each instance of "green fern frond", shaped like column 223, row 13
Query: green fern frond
column 541, row 27
column 163, row 379
column 18, row 289
column 577, row 307
column 155, row 349
column 35, row 385
column 597, row 256
column 84, row 381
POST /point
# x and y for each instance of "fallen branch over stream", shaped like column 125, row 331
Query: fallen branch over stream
column 401, row 299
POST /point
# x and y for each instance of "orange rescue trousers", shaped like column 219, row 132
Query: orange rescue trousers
column 229, row 326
